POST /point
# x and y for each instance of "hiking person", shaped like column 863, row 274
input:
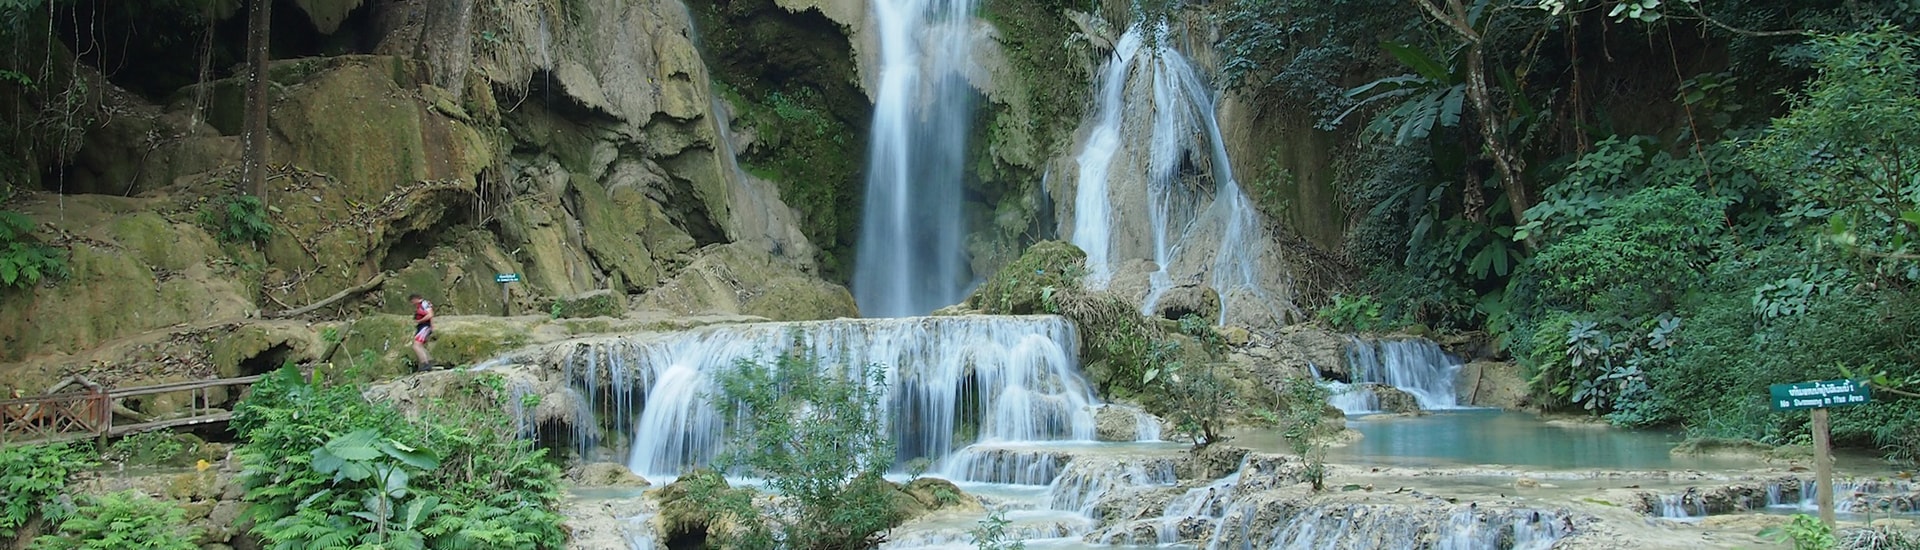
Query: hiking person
column 422, row 329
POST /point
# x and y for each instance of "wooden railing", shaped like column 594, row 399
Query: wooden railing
column 89, row 413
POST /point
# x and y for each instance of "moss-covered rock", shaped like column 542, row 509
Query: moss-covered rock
column 599, row 303
column 736, row 279
column 605, row 474
column 683, row 516
column 1024, row 286
column 132, row 271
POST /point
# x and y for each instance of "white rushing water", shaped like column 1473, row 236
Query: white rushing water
column 911, row 258
column 1151, row 141
column 1092, row 213
column 1416, row 366
column 949, row 380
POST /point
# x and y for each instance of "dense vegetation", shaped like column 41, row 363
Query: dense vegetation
column 1616, row 192
column 819, row 442
column 325, row 468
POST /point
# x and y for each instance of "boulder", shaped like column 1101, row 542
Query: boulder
column 1391, row 399
column 1213, row 462
column 1122, row 423
column 934, row 494
column 605, row 474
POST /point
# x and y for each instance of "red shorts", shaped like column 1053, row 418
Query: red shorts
column 420, row 334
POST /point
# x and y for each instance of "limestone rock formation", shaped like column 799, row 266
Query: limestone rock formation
column 605, row 474
column 1123, row 423
column 581, row 150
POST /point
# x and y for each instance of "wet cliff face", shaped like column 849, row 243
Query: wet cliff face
column 800, row 118
column 577, row 145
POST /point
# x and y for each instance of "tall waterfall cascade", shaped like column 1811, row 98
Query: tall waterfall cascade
column 910, row 258
column 1416, row 366
column 948, row 382
column 1152, row 157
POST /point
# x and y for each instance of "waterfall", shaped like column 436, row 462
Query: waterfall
column 1417, row 366
column 1091, row 210
column 1352, row 399
column 948, row 381
column 1676, row 507
column 910, row 259
column 1156, row 119
column 1085, row 481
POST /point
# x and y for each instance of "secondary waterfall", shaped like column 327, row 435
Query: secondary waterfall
column 1156, row 120
column 911, row 258
column 1416, row 366
column 949, row 381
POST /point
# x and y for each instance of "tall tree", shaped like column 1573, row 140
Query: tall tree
column 1460, row 18
column 253, row 162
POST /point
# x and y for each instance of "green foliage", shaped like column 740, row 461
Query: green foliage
column 812, row 155
column 33, row 482
column 1805, row 532
column 1301, row 51
column 1307, row 427
column 24, row 262
column 817, row 438
column 991, row 533
column 1433, row 96
column 327, row 469
column 127, row 520
column 1033, row 283
column 1843, row 155
column 148, row 449
column 1357, row 313
column 1198, row 401
column 238, row 219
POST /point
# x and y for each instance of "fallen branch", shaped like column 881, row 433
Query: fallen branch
column 338, row 296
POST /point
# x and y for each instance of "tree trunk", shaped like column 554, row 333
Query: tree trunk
column 1494, row 135
column 1493, row 130
column 253, row 162
column 446, row 44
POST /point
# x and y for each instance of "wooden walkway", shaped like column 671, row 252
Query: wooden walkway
column 89, row 412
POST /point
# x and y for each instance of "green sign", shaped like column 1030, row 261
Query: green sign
column 1818, row 395
column 504, row 278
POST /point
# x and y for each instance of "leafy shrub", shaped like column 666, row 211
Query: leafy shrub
column 1634, row 259
column 1307, row 426
column 1359, row 313
column 33, row 482
column 1844, row 154
column 1805, row 532
column 1198, row 401
column 238, row 219
column 148, row 449
column 127, row 520
column 991, row 533
column 23, row 261
column 817, row 439
column 327, row 469
column 1021, row 288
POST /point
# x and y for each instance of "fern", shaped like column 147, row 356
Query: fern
column 120, row 521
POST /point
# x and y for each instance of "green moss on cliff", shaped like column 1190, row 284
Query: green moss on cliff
column 793, row 79
column 1035, row 35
